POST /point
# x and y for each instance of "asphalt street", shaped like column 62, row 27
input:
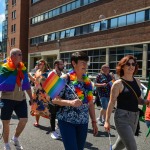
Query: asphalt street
column 38, row 138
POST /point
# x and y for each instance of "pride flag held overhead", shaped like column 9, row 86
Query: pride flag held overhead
column 53, row 85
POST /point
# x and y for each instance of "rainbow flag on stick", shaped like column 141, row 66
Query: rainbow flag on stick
column 53, row 85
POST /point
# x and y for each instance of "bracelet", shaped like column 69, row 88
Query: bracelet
column 93, row 121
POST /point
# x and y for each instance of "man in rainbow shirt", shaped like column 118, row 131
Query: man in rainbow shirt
column 13, row 82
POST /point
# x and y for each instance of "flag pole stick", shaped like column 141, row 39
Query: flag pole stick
column 72, row 91
column 110, row 141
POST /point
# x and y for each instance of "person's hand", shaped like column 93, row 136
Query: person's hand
column 107, row 126
column 95, row 128
column 76, row 103
column 104, row 84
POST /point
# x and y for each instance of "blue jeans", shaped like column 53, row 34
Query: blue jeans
column 73, row 135
column 147, row 123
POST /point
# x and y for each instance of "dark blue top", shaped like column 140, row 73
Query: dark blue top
column 103, row 91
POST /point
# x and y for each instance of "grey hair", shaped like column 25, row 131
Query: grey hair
column 14, row 51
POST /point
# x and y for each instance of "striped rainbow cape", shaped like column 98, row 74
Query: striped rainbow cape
column 8, row 77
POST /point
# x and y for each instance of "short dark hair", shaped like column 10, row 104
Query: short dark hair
column 57, row 61
column 123, row 62
column 79, row 56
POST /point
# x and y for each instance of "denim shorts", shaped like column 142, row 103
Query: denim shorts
column 19, row 107
column 104, row 102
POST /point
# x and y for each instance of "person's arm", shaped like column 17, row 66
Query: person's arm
column 93, row 118
column 62, row 102
column 31, row 77
column 141, row 100
column 98, row 83
column 29, row 92
column 115, row 90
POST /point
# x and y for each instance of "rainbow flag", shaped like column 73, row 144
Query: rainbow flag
column 53, row 85
column 111, row 83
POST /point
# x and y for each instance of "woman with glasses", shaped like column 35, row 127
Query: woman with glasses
column 40, row 100
column 126, row 92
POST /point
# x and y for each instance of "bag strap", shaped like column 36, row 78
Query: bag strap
column 130, row 88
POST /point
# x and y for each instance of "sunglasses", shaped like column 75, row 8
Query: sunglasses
column 19, row 54
column 131, row 64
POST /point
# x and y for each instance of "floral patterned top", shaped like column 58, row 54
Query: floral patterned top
column 103, row 91
column 74, row 115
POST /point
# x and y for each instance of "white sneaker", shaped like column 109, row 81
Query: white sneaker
column 7, row 147
column 55, row 135
column 100, row 122
column 58, row 132
column 17, row 144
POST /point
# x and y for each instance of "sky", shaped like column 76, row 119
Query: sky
column 2, row 16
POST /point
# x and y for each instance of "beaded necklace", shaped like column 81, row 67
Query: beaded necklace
column 87, row 86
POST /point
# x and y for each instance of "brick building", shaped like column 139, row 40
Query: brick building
column 105, row 29
column 17, row 30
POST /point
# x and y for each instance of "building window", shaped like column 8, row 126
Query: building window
column 122, row 21
column 62, row 34
column 13, row 28
column 130, row 19
column 140, row 16
column 13, row 2
column 14, row 14
column 13, row 41
column 114, row 23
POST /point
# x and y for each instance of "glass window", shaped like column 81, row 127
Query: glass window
column 63, row 9
column 45, row 38
column 96, row 27
column 41, row 39
column 49, row 37
column 68, row 33
column 85, row 2
column 77, row 3
column 130, row 19
column 72, row 32
column 73, row 5
column 104, row 25
column 53, row 36
column 114, row 23
column 91, row 1
column 50, row 14
column 68, row 7
column 85, row 29
column 122, row 21
column 62, row 34
column 42, row 17
column 39, row 18
column 32, row 21
column 46, row 16
column 78, row 31
column 36, row 19
column 140, row 16
column 57, row 35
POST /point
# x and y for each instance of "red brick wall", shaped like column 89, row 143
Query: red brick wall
column 108, row 8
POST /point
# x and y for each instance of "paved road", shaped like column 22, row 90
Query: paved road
column 39, row 138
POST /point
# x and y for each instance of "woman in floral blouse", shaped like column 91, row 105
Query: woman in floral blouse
column 76, row 100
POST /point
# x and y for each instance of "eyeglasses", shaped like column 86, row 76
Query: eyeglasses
column 131, row 64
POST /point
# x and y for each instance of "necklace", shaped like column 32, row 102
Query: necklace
column 87, row 95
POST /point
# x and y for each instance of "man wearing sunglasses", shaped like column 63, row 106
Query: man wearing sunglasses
column 13, row 82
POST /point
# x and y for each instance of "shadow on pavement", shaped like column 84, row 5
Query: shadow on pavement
column 48, row 129
column 89, row 146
